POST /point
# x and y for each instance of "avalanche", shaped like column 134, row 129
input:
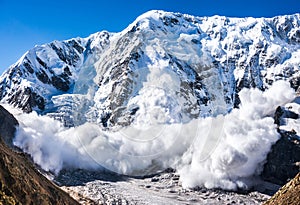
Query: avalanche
column 223, row 151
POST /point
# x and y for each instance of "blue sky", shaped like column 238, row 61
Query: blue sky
column 24, row 24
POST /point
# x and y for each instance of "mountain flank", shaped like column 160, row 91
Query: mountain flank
column 20, row 181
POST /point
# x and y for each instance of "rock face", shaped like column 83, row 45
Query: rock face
column 288, row 194
column 283, row 161
column 8, row 125
column 102, row 78
column 20, row 182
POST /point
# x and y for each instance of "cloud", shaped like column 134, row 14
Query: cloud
column 222, row 151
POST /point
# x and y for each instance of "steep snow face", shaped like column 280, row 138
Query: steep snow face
column 164, row 68
column 48, row 70
column 197, row 64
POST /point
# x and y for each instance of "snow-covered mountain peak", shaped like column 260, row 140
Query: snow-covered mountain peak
column 202, row 62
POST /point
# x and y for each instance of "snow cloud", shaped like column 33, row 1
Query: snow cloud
column 222, row 151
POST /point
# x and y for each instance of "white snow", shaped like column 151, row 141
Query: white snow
column 215, row 152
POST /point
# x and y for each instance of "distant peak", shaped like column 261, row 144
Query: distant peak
column 151, row 13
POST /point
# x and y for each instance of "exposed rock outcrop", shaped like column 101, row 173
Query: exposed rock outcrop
column 8, row 125
column 21, row 183
column 288, row 194
column 283, row 162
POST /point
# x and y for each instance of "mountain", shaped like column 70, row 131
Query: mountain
column 176, row 64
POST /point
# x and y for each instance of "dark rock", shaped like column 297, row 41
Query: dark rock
column 195, row 41
column 134, row 110
column 105, row 118
column 67, row 71
column 283, row 162
column 43, row 77
column 154, row 179
column 27, row 99
column 8, row 125
column 168, row 21
column 42, row 63
column 278, row 114
column 295, row 83
column 69, row 55
column 59, row 52
column 61, row 82
column 76, row 45
column 27, row 65
column 295, row 37
column 282, row 113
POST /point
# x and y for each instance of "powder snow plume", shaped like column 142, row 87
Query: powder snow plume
column 221, row 151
